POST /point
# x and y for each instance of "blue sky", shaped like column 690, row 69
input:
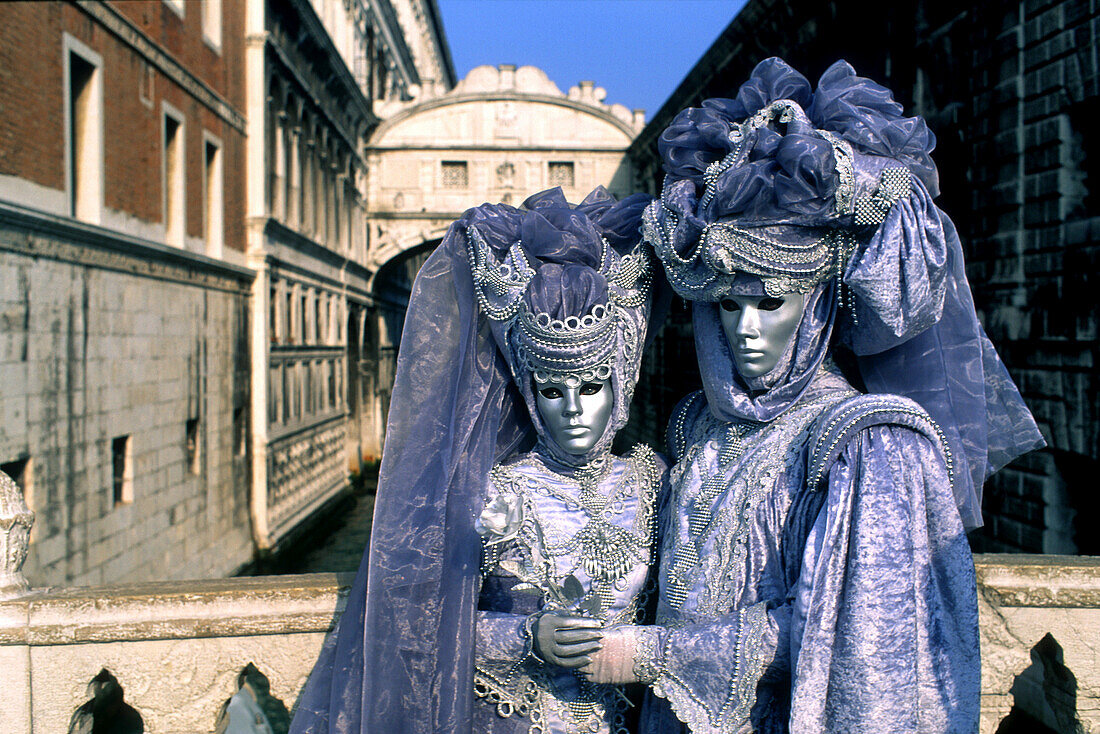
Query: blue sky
column 638, row 50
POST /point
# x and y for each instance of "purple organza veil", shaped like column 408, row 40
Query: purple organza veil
column 401, row 657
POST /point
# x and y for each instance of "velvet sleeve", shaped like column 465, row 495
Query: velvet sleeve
column 890, row 636
column 501, row 639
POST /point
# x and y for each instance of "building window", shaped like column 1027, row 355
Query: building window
column 191, row 432
column 240, row 430
column 303, row 317
column 456, row 175
column 84, row 130
column 21, row 472
column 561, row 174
column 173, row 178
column 273, row 311
column 212, row 23
column 289, row 334
column 275, row 392
column 122, row 470
column 213, row 201
column 176, row 6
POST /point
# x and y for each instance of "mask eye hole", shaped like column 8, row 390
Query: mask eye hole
column 728, row 304
column 591, row 388
column 551, row 393
column 770, row 304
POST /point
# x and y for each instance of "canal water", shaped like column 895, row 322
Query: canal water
column 337, row 541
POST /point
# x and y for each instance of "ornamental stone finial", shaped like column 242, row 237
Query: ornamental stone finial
column 16, row 520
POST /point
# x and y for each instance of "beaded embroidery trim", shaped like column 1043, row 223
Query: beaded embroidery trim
column 894, row 182
column 741, row 480
column 865, row 411
column 647, row 661
column 604, row 551
column 724, row 248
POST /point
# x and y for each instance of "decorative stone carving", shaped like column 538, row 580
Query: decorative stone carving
column 16, row 520
column 506, row 175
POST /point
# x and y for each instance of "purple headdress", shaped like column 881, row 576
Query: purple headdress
column 803, row 189
column 567, row 292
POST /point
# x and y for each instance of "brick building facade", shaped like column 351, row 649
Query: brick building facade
column 183, row 268
column 1010, row 89
column 123, row 292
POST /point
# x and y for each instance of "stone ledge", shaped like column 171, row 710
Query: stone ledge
column 180, row 610
column 41, row 234
column 1018, row 580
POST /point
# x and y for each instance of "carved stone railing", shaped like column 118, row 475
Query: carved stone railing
column 205, row 656
column 178, row 650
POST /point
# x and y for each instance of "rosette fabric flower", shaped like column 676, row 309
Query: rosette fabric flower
column 501, row 519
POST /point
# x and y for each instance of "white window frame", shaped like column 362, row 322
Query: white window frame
column 175, row 233
column 212, row 24
column 213, row 196
column 87, row 204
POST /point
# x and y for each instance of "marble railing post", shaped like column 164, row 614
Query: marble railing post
column 16, row 520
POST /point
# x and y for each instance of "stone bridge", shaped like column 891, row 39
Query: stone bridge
column 232, row 655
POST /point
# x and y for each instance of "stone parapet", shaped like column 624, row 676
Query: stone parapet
column 178, row 649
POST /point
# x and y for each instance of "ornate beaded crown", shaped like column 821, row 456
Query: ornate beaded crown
column 784, row 201
column 580, row 347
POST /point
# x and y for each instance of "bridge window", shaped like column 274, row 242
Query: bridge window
column 561, row 174
column 456, row 175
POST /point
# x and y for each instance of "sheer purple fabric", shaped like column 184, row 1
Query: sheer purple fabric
column 401, row 657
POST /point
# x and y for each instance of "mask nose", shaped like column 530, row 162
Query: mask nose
column 571, row 402
column 748, row 325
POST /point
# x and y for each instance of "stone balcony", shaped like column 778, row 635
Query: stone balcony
column 178, row 649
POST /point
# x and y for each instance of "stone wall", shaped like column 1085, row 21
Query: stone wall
column 178, row 649
column 114, row 350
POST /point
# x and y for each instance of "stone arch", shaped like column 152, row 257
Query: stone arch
column 400, row 243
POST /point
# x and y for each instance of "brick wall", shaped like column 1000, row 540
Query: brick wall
column 31, row 135
column 32, row 87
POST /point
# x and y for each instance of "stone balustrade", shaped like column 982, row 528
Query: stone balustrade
column 179, row 649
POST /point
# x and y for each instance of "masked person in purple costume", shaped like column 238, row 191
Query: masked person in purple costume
column 523, row 324
column 815, row 574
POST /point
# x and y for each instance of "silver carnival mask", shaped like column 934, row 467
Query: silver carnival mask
column 575, row 416
column 758, row 329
